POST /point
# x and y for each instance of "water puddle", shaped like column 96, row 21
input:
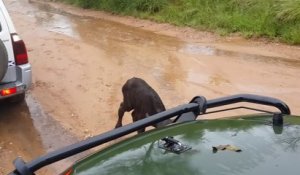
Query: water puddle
column 198, row 50
column 27, row 131
column 18, row 135
column 194, row 49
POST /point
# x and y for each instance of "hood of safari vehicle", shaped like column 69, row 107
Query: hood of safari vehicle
column 266, row 149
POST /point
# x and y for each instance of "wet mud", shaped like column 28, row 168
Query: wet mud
column 26, row 131
column 18, row 135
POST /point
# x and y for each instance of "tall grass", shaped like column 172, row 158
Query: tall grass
column 276, row 19
column 288, row 10
column 122, row 6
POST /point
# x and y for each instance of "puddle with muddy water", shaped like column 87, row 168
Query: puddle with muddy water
column 27, row 131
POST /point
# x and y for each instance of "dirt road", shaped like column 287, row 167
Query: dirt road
column 82, row 58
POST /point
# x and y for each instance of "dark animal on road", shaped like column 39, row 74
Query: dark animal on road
column 142, row 99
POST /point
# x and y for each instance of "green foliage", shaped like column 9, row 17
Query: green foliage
column 260, row 18
column 288, row 10
column 152, row 6
column 122, row 6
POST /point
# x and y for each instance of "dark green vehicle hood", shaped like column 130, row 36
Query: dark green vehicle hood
column 265, row 150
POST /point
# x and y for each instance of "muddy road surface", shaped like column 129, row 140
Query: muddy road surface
column 80, row 59
column 27, row 131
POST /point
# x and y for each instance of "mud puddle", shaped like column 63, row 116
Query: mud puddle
column 27, row 131
column 18, row 135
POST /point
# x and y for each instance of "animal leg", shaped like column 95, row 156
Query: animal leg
column 135, row 117
column 122, row 110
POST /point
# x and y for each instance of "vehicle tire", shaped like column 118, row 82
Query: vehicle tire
column 3, row 60
column 17, row 98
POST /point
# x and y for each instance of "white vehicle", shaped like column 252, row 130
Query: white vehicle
column 15, row 71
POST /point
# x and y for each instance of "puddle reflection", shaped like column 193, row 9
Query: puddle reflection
column 238, row 56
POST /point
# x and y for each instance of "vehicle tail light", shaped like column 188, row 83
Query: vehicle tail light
column 20, row 51
column 9, row 91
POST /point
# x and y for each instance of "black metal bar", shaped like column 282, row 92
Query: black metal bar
column 239, row 107
column 256, row 99
column 108, row 136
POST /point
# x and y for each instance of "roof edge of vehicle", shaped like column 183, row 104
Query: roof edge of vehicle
column 186, row 112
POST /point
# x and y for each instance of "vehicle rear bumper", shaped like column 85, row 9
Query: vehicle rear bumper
column 23, row 83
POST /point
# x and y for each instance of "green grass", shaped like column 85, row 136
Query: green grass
column 275, row 19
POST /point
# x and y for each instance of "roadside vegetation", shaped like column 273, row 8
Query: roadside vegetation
column 275, row 19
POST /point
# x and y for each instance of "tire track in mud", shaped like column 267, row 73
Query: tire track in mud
column 53, row 135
